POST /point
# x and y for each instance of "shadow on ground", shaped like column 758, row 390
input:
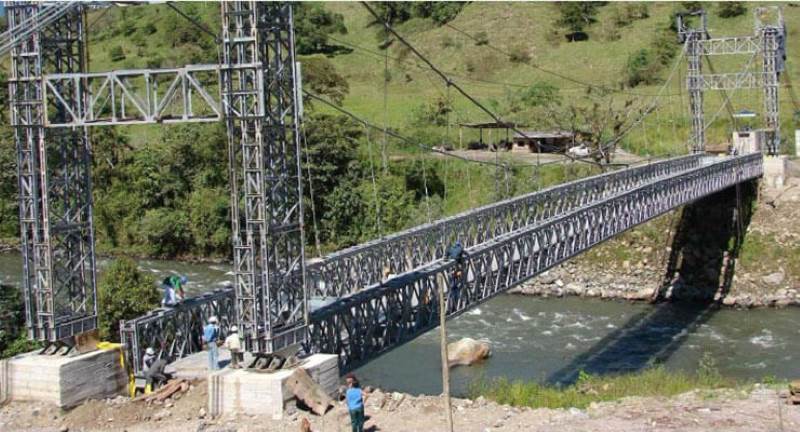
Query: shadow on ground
column 705, row 245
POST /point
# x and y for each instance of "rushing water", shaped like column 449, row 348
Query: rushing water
column 552, row 339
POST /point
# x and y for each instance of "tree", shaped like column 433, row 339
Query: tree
column 730, row 9
column 13, row 339
column 641, row 68
column 576, row 16
column 124, row 293
column 321, row 77
column 313, row 25
column 116, row 53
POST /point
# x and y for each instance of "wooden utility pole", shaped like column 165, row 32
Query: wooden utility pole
column 445, row 365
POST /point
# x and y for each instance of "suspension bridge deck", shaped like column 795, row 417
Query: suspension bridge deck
column 358, row 316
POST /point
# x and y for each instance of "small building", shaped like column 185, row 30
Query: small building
column 545, row 141
column 748, row 141
column 493, row 141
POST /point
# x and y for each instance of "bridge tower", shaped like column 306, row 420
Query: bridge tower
column 55, row 200
column 259, row 96
column 768, row 43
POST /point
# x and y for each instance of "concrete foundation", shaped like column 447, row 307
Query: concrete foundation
column 239, row 391
column 775, row 170
column 63, row 381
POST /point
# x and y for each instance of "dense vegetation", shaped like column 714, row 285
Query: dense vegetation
column 123, row 293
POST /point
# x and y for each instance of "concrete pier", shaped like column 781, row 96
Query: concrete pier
column 65, row 381
column 775, row 169
column 240, row 391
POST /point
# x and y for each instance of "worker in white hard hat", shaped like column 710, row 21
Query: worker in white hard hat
column 234, row 345
column 148, row 358
column 210, row 338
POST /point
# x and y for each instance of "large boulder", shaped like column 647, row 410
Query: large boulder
column 467, row 351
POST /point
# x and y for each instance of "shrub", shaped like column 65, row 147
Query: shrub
column 164, row 232
column 637, row 11
column 124, row 293
column 519, row 54
column 640, row 68
column 117, row 53
column 481, row 38
column 208, row 220
column 13, row 339
column 730, row 9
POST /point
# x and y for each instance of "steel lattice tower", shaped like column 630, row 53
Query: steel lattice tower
column 769, row 38
column 54, row 178
column 694, row 86
column 259, row 97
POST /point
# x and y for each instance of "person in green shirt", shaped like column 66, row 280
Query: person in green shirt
column 173, row 290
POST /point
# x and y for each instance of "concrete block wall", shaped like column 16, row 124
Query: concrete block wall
column 63, row 381
column 240, row 391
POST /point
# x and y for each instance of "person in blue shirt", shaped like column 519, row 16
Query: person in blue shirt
column 210, row 337
column 355, row 398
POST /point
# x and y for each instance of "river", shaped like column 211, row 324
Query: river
column 552, row 339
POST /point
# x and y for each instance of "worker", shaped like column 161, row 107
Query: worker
column 210, row 337
column 173, row 290
column 355, row 398
column 148, row 358
column 458, row 254
column 155, row 375
column 234, row 345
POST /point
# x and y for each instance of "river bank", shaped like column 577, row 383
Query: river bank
column 758, row 408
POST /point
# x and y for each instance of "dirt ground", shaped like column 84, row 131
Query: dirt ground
column 760, row 409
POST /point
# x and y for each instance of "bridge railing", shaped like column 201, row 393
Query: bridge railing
column 350, row 270
column 176, row 332
column 366, row 324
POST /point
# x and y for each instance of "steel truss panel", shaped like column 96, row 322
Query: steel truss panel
column 351, row 270
column 730, row 45
column 732, row 81
column 259, row 95
column 176, row 332
column 359, row 327
column 695, row 88
column 54, row 177
column 140, row 96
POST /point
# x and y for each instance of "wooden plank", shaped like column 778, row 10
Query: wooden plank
column 306, row 390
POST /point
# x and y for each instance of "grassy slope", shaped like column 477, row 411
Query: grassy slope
column 509, row 25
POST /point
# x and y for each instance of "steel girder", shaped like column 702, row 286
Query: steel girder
column 732, row 81
column 54, row 178
column 177, row 332
column 361, row 326
column 730, row 45
column 259, row 97
column 353, row 269
column 140, row 96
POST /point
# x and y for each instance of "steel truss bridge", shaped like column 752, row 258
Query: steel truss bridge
column 359, row 316
column 339, row 304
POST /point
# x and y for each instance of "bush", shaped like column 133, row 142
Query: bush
column 519, row 54
column 730, row 9
column 13, row 338
column 117, row 53
column 640, row 68
column 124, row 293
column 164, row 232
column 208, row 220
column 481, row 38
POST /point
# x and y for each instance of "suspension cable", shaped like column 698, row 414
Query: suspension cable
column 311, row 190
column 196, row 23
column 378, row 215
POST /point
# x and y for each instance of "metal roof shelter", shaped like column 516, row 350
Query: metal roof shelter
column 485, row 125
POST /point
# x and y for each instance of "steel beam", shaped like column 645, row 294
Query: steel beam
column 730, row 45
column 353, row 269
column 140, row 96
column 362, row 326
column 733, row 81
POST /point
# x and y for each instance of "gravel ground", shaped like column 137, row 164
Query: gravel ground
column 760, row 409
